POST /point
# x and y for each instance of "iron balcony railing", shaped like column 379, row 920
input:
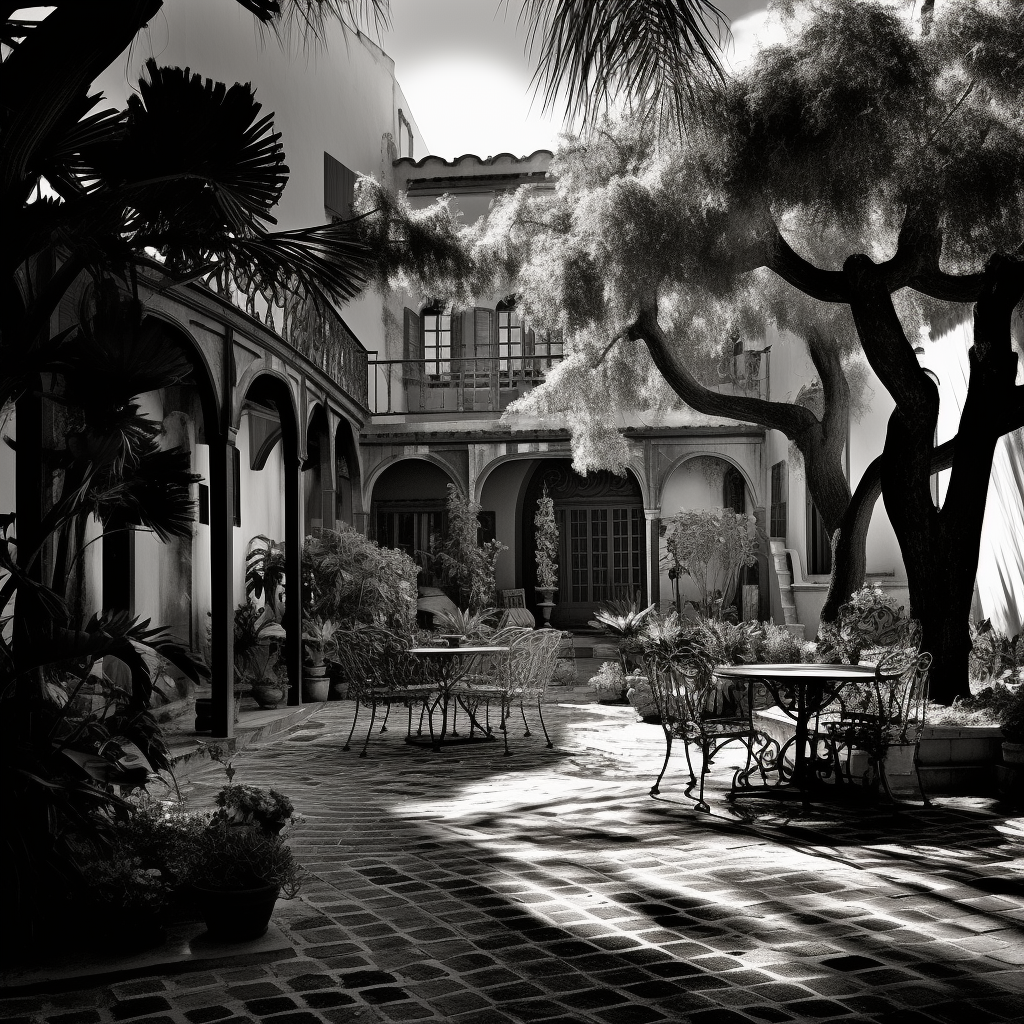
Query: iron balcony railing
column 445, row 386
column 315, row 331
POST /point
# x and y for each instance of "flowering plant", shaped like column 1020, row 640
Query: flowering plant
column 546, row 538
column 253, row 805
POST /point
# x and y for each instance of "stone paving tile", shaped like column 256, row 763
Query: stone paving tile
column 550, row 888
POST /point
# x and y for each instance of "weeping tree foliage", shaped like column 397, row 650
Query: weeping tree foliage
column 858, row 187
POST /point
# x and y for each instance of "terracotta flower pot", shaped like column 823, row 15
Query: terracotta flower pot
column 315, row 689
column 269, row 694
column 236, row 915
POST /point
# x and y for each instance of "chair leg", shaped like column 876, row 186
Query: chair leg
column 419, row 729
column 689, row 763
column 373, row 716
column 506, row 712
column 920, row 784
column 522, row 711
column 701, row 805
column 384, row 724
column 355, row 718
column 455, row 714
column 540, row 715
column 656, row 788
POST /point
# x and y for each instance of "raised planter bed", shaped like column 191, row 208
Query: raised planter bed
column 955, row 760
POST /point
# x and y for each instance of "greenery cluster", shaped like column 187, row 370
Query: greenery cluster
column 994, row 654
column 257, row 640
column 546, row 540
column 623, row 620
column 467, row 566
column 710, row 546
column 254, row 805
column 349, row 579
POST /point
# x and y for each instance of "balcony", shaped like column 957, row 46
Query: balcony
column 473, row 384
column 316, row 332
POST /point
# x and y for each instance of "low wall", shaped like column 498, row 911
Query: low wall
column 958, row 760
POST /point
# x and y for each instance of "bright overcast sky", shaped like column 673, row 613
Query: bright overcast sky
column 462, row 66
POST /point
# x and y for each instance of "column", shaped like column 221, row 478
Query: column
column 222, row 586
column 653, row 517
column 294, row 535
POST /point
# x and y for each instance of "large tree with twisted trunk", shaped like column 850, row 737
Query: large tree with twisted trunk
column 858, row 186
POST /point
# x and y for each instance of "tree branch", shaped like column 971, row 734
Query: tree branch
column 793, row 420
column 834, row 387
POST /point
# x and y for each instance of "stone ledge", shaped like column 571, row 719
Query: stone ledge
column 186, row 949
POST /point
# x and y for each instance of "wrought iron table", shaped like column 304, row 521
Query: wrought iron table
column 453, row 663
column 802, row 692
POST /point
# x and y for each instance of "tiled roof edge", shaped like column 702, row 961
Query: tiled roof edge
column 459, row 160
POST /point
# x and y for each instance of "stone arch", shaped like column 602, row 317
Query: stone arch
column 348, row 475
column 271, row 389
column 748, row 479
column 378, row 471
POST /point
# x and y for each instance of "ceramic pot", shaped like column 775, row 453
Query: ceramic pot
column 235, row 915
column 316, row 689
column 269, row 694
column 1013, row 753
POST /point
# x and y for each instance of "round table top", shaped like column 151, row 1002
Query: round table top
column 458, row 650
column 798, row 672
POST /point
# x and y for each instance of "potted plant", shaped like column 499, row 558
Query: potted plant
column 257, row 654
column 546, row 554
column 320, row 642
column 623, row 621
column 1011, row 721
column 253, row 805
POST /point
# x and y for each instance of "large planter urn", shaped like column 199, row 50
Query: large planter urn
column 235, row 915
column 545, row 606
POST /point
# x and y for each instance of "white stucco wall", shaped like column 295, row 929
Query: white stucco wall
column 500, row 495
column 340, row 99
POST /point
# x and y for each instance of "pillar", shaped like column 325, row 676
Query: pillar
column 294, row 534
column 653, row 517
column 222, row 585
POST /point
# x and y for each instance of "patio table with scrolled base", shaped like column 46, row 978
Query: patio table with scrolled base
column 802, row 692
column 451, row 664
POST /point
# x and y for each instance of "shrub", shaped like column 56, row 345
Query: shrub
column 609, row 681
column 729, row 643
column 349, row 579
column 994, row 655
column 710, row 546
column 467, row 566
column 776, row 645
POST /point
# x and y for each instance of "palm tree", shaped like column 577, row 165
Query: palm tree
column 652, row 57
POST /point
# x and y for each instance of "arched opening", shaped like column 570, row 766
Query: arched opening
column 416, row 525
column 165, row 581
column 709, row 482
column 269, row 503
column 317, row 476
column 347, row 507
column 602, row 551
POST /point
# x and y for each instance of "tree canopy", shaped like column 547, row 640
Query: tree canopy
column 856, row 185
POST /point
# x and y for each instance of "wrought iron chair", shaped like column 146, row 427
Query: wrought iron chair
column 545, row 645
column 381, row 673
column 692, row 707
column 887, row 712
column 491, row 678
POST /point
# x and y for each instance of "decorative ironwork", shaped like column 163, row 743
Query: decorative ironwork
column 313, row 329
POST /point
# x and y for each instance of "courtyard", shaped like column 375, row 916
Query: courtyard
column 549, row 887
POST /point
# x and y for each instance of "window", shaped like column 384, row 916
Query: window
column 339, row 189
column 780, row 496
column 546, row 350
column 437, row 340
column 510, row 340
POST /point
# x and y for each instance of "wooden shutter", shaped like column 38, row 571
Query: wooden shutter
column 339, row 188
column 457, row 345
column 483, row 332
column 413, row 350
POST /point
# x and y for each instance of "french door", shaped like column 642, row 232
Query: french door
column 602, row 552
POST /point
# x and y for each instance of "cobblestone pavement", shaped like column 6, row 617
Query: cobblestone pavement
column 549, row 887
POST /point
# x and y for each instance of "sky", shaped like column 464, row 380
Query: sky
column 462, row 65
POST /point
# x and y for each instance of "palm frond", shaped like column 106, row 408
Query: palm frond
column 655, row 55
column 327, row 262
column 196, row 158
